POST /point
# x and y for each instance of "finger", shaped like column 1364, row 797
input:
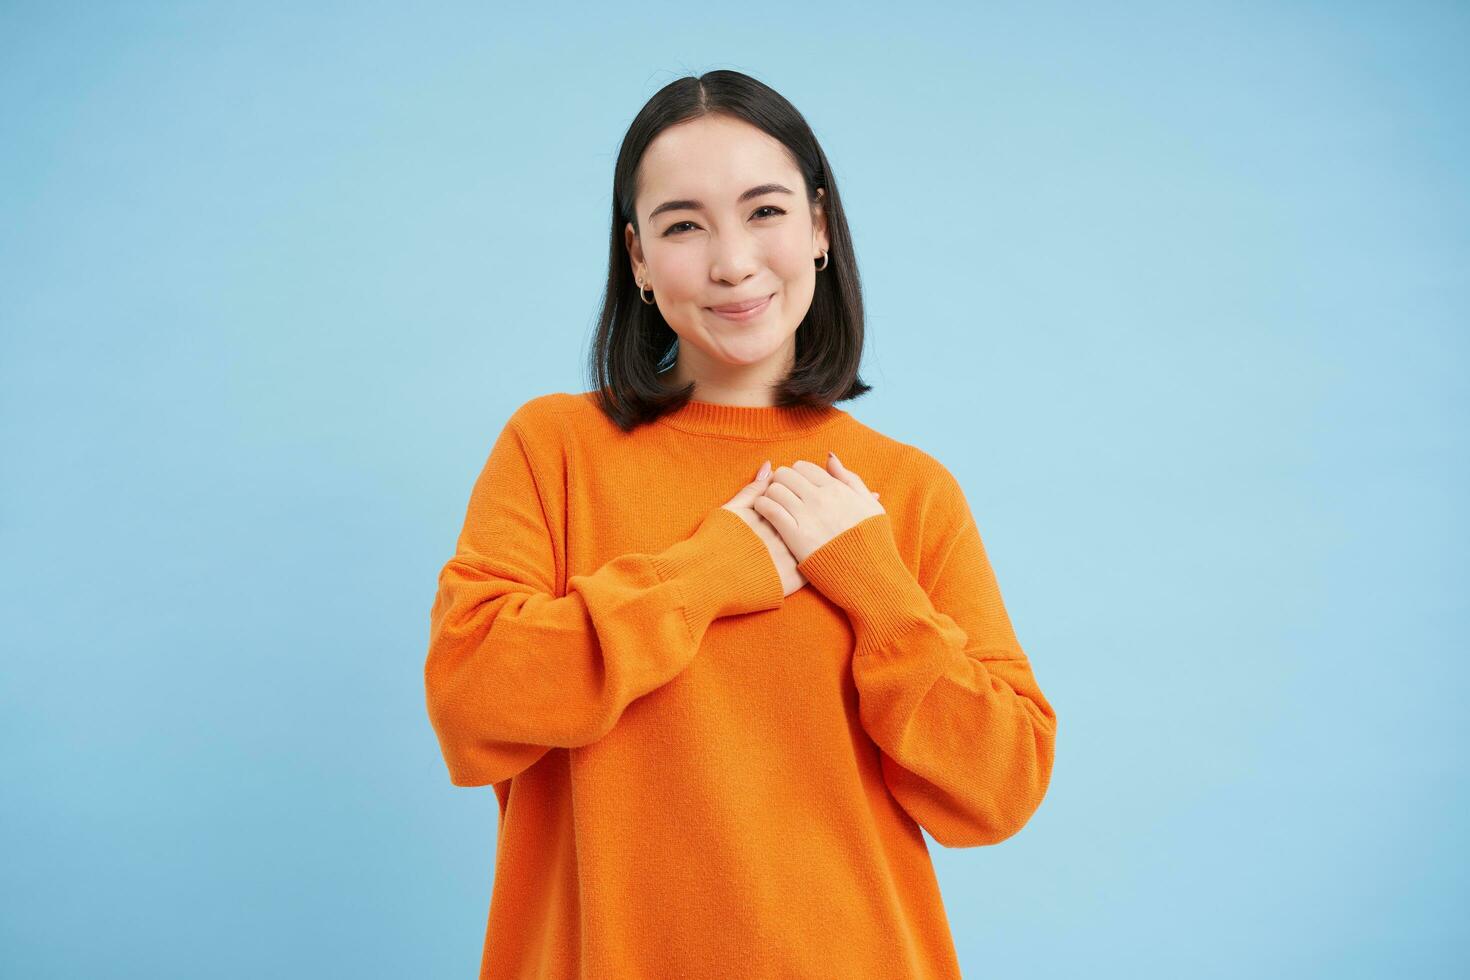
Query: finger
column 844, row 474
column 813, row 472
column 783, row 495
column 793, row 479
column 754, row 488
column 776, row 515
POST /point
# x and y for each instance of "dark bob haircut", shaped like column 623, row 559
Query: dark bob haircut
column 634, row 342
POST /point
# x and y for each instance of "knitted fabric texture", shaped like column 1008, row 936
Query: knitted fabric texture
column 697, row 776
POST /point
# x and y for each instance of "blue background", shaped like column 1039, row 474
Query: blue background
column 1178, row 291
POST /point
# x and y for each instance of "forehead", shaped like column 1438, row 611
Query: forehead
column 712, row 158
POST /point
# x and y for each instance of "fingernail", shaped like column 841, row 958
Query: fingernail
column 760, row 474
column 832, row 455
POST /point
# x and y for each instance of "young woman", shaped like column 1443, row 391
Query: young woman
column 717, row 682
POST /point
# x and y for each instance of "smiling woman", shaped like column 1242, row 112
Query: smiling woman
column 718, row 699
column 743, row 277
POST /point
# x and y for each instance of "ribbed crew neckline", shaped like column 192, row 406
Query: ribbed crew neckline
column 750, row 421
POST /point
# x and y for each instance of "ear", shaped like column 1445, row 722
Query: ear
column 819, row 222
column 635, row 248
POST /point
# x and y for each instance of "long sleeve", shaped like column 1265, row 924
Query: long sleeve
column 517, row 665
column 944, row 688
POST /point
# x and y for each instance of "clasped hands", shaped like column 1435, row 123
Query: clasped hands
column 798, row 508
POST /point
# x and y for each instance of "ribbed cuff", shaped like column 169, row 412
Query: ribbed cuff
column 722, row 569
column 862, row 571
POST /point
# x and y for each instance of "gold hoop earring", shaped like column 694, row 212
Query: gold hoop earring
column 642, row 297
column 824, row 261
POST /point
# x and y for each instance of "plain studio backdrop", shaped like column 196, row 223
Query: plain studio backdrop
column 1178, row 291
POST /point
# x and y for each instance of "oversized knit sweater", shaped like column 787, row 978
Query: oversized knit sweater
column 697, row 776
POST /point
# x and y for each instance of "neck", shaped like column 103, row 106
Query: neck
column 750, row 387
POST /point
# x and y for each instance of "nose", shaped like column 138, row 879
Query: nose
column 734, row 257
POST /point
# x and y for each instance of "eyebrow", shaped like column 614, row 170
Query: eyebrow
column 689, row 205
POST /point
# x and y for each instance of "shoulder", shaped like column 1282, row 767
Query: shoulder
column 550, row 428
column 944, row 486
column 549, row 412
column 562, row 410
column 549, row 421
column 937, row 510
column 915, row 473
column 941, row 498
column 923, row 497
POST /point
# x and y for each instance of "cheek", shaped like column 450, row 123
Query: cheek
column 677, row 274
column 789, row 258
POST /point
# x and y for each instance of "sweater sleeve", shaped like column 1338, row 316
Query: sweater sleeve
column 517, row 666
column 944, row 688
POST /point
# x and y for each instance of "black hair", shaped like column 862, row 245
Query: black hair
column 634, row 342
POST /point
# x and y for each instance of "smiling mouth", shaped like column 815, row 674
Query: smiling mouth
column 740, row 310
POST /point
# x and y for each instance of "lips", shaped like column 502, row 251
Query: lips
column 741, row 307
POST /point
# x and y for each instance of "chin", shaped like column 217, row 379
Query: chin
column 743, row 352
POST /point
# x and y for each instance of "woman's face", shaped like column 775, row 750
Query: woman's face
column 703, row 244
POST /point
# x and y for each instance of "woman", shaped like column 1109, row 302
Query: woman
column 717, row 709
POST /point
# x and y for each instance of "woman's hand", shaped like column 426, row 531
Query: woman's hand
column 809, row 506
column 791, row 579
column 743, row 504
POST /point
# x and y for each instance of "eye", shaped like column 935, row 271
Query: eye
column 676, row 226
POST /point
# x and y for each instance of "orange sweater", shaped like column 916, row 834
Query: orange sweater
column 698, row 777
